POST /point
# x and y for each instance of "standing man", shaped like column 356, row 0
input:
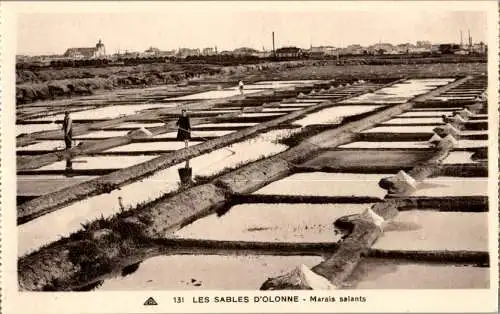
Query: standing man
column 240, row 86
column 184, row 128
column 68, row 130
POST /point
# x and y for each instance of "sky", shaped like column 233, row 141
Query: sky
column 136, row 27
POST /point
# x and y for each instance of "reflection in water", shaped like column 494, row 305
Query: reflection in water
column 369, row 270
column 186, row 174
column 68, row 171
column 69, row 164
column 130, row 269
column 90, row 287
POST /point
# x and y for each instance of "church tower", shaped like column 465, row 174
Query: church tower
column 100, row 49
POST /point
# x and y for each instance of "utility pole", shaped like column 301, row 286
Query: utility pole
column 274, row 51
column 338, row 50
column 461, row 40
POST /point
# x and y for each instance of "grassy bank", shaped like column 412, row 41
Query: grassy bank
column 50, row 83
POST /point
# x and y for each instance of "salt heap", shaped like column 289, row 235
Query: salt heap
column 300, row 278
column 142, row 132
column 401, row 183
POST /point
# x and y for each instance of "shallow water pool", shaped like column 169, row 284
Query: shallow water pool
column 280, row 109
column 296, row 106
column 259, row 114
column 402, row 129
column 462, row 144
column 108, row 112
column 208, row 111
column 150, row 146
column 451, row 98
column 101, row 134
column 394, row 274
column 306, row 101
column 414, row 113
column 409, row 144
column 333, row 115
column 272, row 222
column 428, row 230
column 327, row 184
column 34, row 185
column 473, row 132
column 453, row 186
column 216, row 94
column 207, row 272
column 135, row 125
column 400, row 92
column 410, row 121
column 225, row 125
column 472, row 143
column 45, row 145
column 99, row 162
column 459, row 157
column 32, row 128
column 436, row 109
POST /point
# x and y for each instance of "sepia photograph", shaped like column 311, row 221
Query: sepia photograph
column 261, row 150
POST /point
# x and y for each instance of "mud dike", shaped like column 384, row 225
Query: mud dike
column 331, row 185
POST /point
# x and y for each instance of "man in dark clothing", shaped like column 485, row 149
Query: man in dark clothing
column 184, row 128
column 68, row 130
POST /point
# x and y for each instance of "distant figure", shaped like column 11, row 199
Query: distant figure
column 184, row 128
column 68, row 130
column 241, row 86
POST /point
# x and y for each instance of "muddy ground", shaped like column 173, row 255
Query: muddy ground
column 381, row 71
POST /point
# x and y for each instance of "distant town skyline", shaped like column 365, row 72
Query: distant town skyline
column 176, row 25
